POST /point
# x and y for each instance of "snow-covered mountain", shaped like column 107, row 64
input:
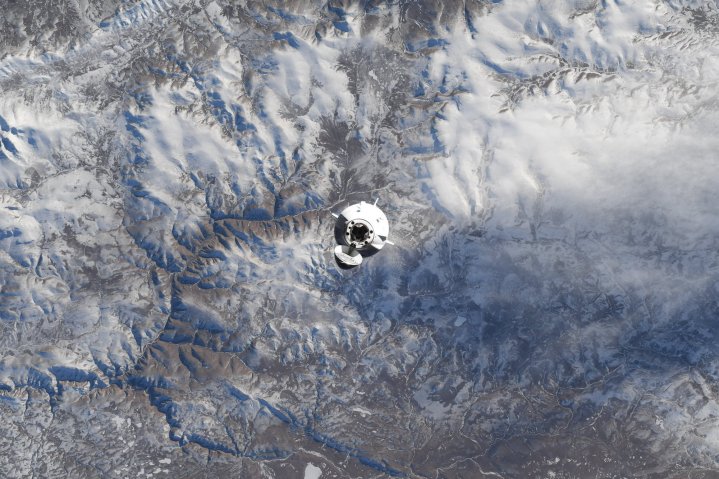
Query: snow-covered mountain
column 169, row 303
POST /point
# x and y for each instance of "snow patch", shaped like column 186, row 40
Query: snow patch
column 312, row 471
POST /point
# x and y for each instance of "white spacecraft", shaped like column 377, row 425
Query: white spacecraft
column 361, row 230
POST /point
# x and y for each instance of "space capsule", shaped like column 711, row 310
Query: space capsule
column 361, row 230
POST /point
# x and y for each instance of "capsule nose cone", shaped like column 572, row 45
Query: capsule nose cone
column 346, row 257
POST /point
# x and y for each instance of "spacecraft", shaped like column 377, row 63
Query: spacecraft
column 360, row 231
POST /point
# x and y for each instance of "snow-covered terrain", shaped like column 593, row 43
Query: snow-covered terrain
column 169, row 303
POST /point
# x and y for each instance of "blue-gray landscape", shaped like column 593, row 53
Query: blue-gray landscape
column 169, row 301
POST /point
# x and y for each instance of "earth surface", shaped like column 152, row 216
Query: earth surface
column 169, row 302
